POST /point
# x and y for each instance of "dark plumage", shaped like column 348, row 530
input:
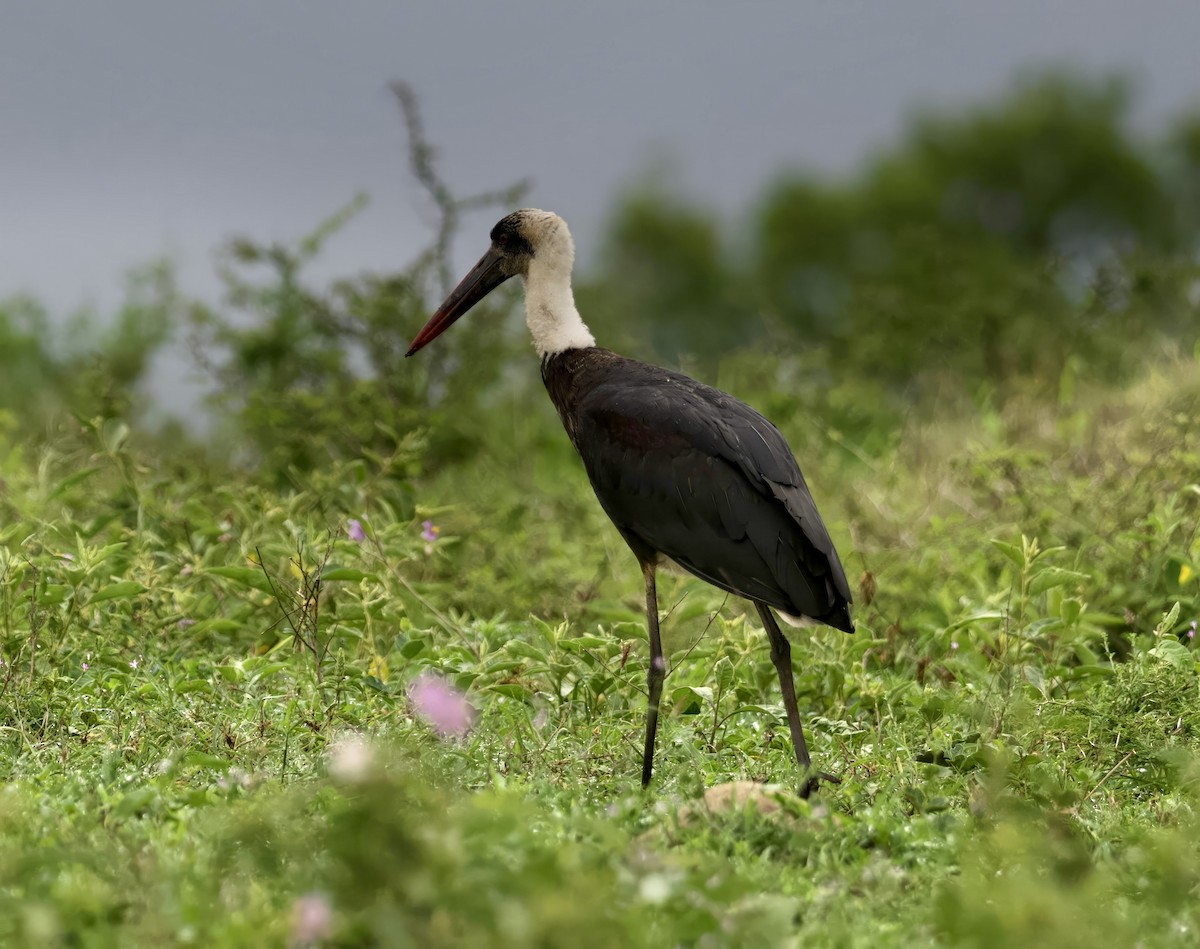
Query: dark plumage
column 687, row 472
column 684, row 471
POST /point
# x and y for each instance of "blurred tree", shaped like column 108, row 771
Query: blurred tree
column 666, row 280
column 306, row 376
column 89, row 367
column 1183, row 164
column 987, row 246
column 27, row 364
column 976, row 246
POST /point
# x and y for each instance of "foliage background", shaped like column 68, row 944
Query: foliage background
column 983, row 347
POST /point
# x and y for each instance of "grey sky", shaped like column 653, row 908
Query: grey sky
column 129, row 128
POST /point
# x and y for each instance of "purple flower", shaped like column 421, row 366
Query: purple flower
column 429, row 532
column 441, row 705
column 355, row 530
column 1191, row 633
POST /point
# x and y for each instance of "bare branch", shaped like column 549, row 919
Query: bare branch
column 421, row 156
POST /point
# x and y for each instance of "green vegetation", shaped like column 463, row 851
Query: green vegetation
column 982, row 348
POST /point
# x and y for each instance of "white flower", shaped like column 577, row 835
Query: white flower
column 350, row 759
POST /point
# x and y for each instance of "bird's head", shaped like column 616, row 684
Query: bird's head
column 525, row 240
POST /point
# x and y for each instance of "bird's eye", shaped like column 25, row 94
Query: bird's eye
column 502, row 239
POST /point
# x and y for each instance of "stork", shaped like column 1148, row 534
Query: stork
column 686, row 473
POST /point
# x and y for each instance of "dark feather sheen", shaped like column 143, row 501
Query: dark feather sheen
column 690, row 473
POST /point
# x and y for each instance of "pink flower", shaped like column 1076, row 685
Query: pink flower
column 441, row 705
column 429, row 532
column 355, row 530
column 312, row 917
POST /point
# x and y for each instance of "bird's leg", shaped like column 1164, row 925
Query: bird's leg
column 658, row 670
column 781, row 656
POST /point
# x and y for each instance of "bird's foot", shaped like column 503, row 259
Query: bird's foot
column 813, row 782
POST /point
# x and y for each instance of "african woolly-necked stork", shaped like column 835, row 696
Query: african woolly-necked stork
column 686, row 473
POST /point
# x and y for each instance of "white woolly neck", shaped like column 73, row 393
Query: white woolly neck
column 550, row 311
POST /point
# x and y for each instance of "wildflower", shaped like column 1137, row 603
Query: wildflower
column 354, row 530
column 85, row 666
column 350, row 759
column 1191, row 633
column 954, row 645
column 429, row 531
column 133, row 663
column 235, row 777
column 654, row 889
column 311, row 919
column 186, row 623
column 65, row 556
column 444, row 707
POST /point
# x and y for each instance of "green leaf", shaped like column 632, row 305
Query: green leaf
column 202, row 759
column 514, row 690
column 73, row 479
column 691, row 698
column 519, row 647
column 693, row 608
column 725, row 674
column 113, row 434
column 412, row 648
column 1010, row 551
column 249, row 576
column 550, row 633
column 580, row 643
column 1095, row 670
column 1049, row 577
column 259, row 667
column 217, row 625
column 98, row 556
column 348, row 573
column 1168, row 620
column 54, row 593
column 975, row 617
column 117, row 591
column 1069, row 610
column 192, row 685
column 1174, row 653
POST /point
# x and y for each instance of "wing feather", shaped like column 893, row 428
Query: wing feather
column 704, row 479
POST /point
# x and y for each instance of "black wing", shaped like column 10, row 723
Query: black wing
column 692, row 473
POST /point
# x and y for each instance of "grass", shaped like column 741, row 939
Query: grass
column 186, row 651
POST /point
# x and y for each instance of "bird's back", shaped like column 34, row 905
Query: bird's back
column 688, row 472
